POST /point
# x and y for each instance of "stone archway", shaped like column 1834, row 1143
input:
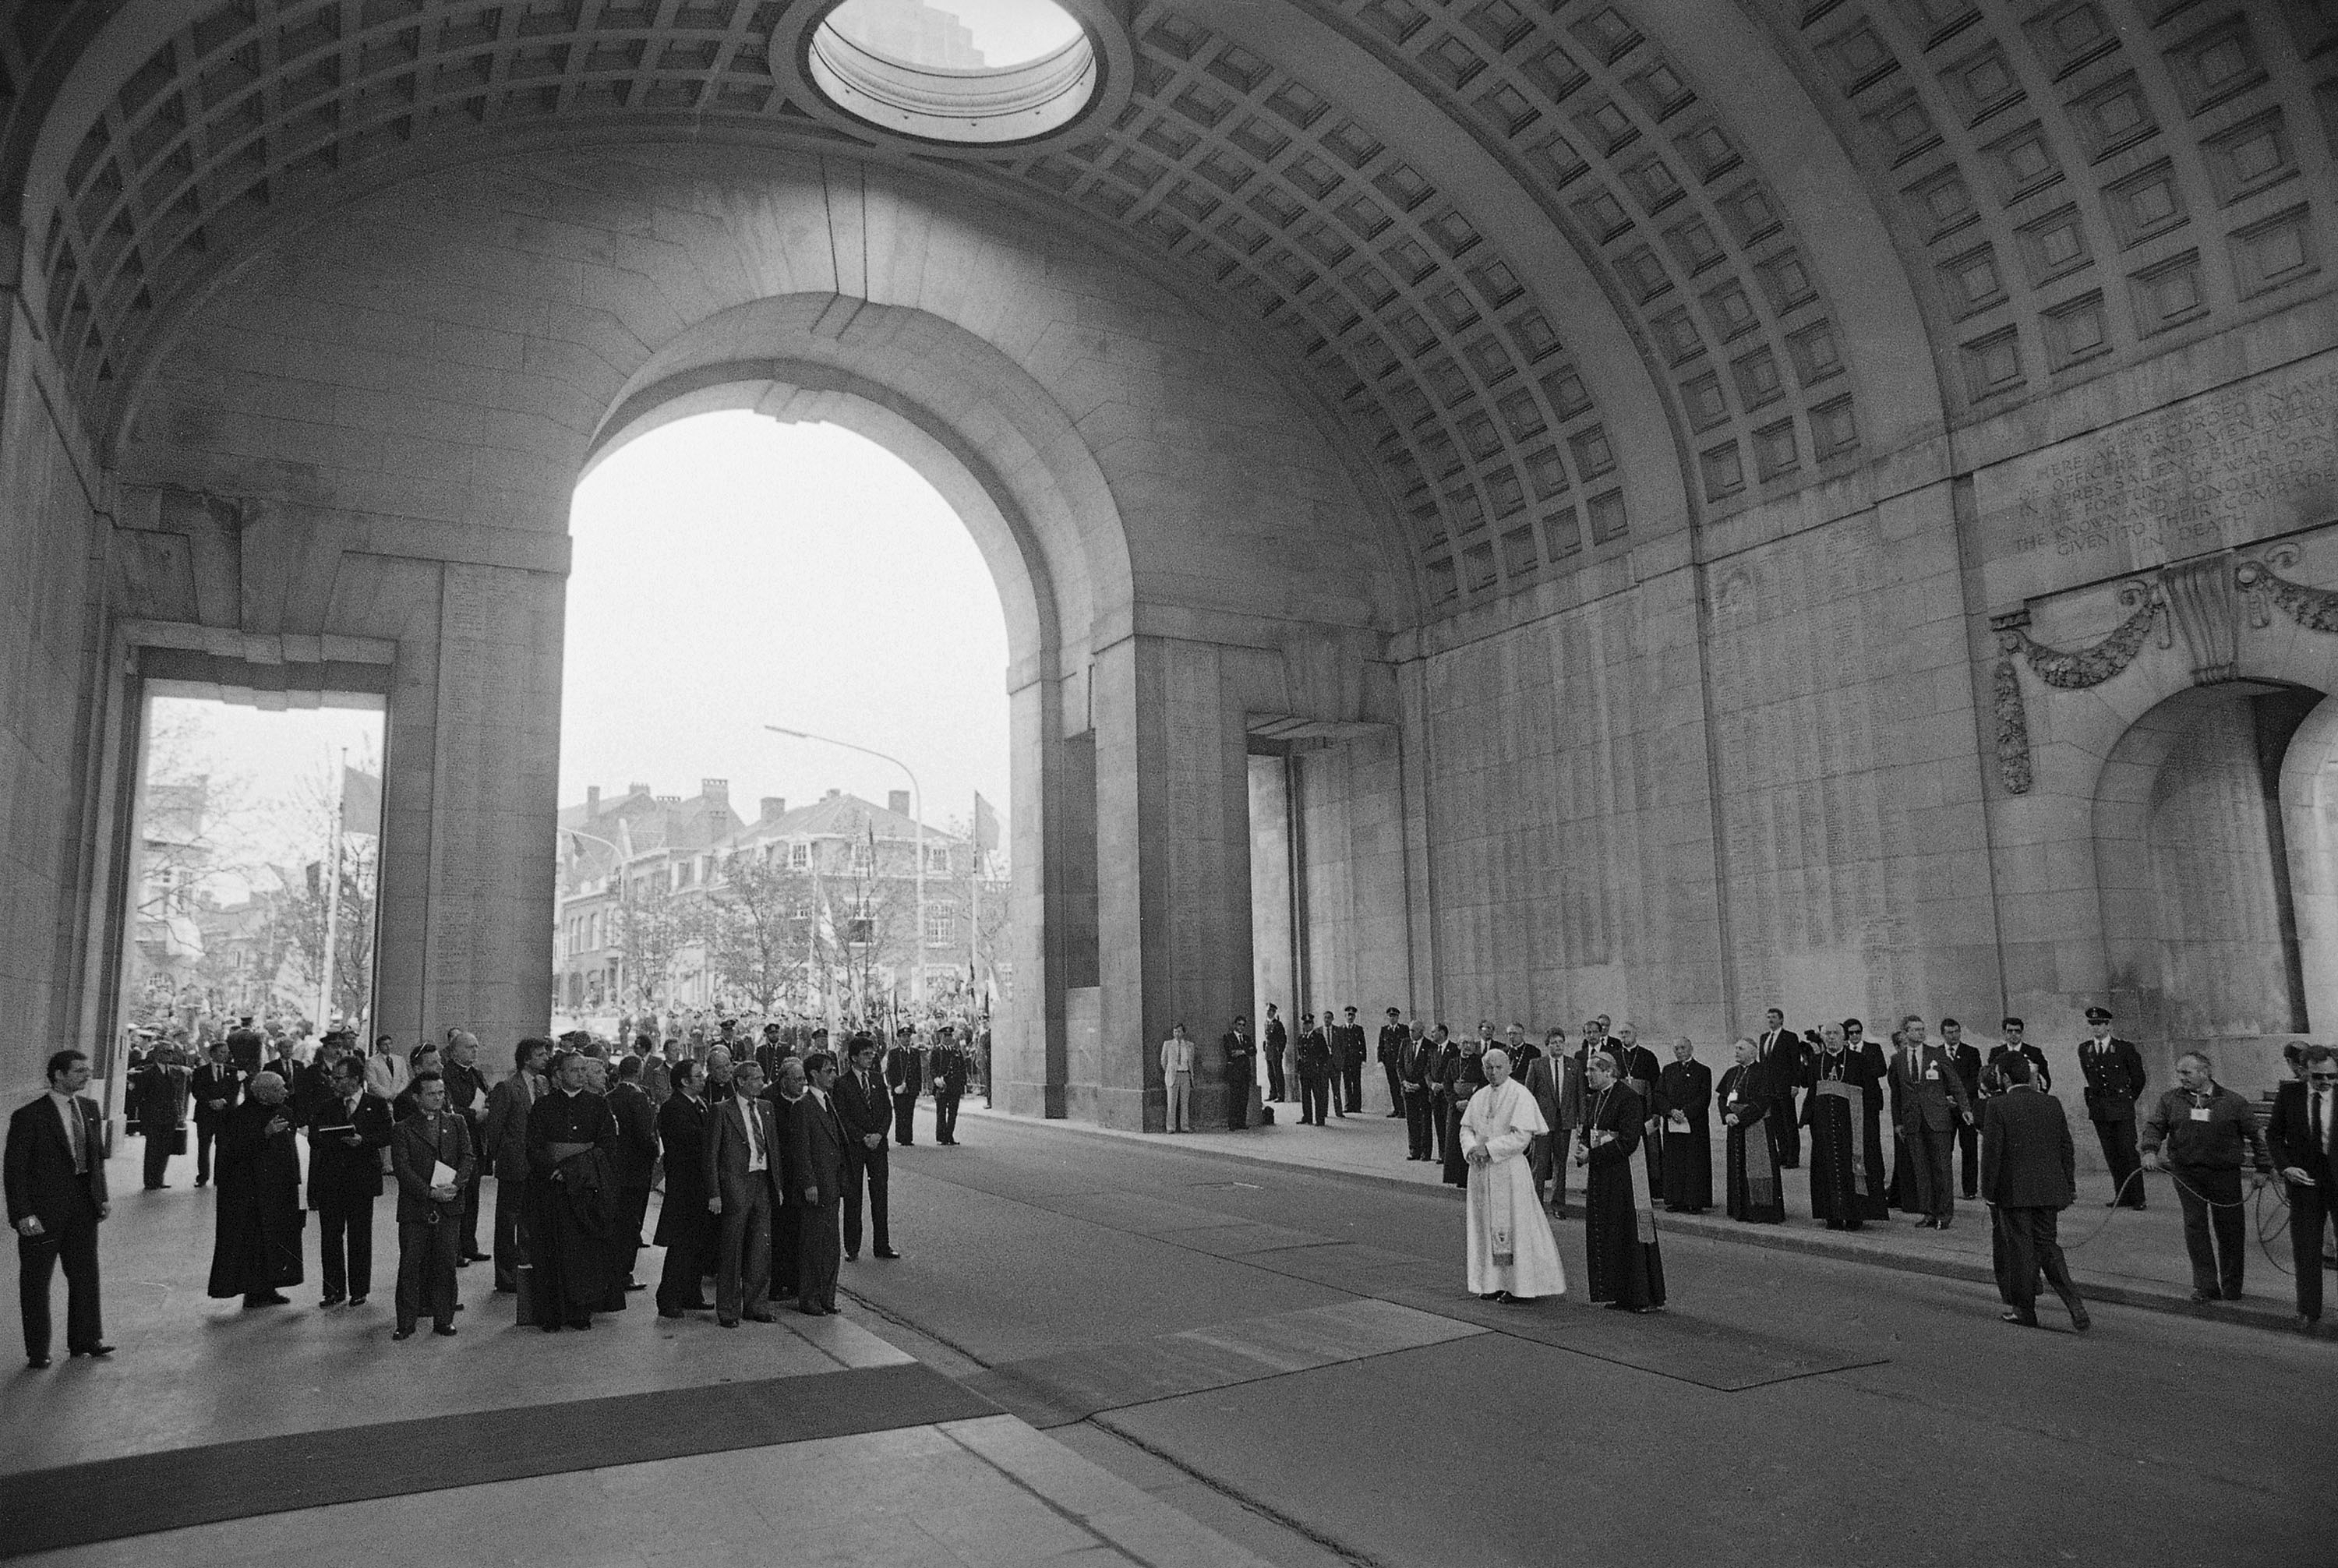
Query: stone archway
column 2197, row 874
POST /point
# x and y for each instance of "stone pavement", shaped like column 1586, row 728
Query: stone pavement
column 2134, row 1258
column 195, row 1380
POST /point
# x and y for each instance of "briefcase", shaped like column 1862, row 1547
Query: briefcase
column 178, row 1140
column 1266, row 1115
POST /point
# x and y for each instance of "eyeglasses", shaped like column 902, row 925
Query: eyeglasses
column 2321, row 1077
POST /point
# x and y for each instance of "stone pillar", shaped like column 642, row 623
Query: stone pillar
column 1172, row 840
column 472, row 799
column 1028, row 1038
column 1271, row 928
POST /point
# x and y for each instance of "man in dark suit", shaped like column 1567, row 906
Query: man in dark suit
column 1278, row 1039
column 685, row 1228
column 211, row 1093
column 743, row 1172
column 1347, row 1053
column 55, row 1185
column 905, row 1072
column 2302, row 1135
column 1966, row 1057
column 502, row 1144
column 158, row 1103
column 1417, row 1068
column 2115, row 1082
column 347, row 1134
column 466, row 1096
column 817, row 1147
column 787, row 1100
column 1555, row 1079
column 866, row 1110
column 2029, row 1175
column 771, row 1051
column 2016, row 1043
column 1242, row 1051
column 1390, row 1053
column 430, row 1213
column 1930, row 1101
column 1780, row 1053
column 635, row 1163
column 949, row 1071
column 245, row 1047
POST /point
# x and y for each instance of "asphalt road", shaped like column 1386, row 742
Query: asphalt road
column 1305, row 1344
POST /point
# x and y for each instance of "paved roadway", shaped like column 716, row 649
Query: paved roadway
column 1303, row 1344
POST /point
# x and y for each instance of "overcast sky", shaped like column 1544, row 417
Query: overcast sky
column 733, row 572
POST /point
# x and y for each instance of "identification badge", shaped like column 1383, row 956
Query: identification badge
column 1931, row 1074
column 2199, row 1112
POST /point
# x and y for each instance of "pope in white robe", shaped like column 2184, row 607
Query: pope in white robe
column 1512, row 1253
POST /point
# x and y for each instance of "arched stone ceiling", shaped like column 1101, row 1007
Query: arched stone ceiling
column 2079, row 184
column 1449, row 358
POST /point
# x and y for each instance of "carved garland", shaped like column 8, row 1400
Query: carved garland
column 2072, row 670
column 2012, row 730
column 2315, row 609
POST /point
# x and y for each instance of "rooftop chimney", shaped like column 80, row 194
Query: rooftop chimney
column 774, row 807
column 716, row 790
column 832, row 794
column 896, row 801
column 591, row 802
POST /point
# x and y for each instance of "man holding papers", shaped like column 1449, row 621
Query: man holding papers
column 431, row 1152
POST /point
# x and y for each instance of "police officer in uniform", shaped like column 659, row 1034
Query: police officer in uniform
column 2115, row 1082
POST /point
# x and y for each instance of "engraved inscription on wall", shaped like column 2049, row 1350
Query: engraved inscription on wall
column 2248, row 461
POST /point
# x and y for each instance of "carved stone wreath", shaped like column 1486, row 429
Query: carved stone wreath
column 2315, row 609
column 2075, row 670
column 2013, row 766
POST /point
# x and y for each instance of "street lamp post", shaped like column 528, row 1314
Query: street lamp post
column 624, row 926
column 918, row 813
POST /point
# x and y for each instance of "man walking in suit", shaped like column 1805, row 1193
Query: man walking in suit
column 211, row 1094
column 1781, row 1057
column 55, row 1184
column 503, row 1142
column 1278, row 1039
column 743, row 1175
column 865, row 1110
column 2016, row 1043
column 347, row 1133
column 2115, row 1082
column 633, row 1164
column 1965, row 1055
column 1393, row 1036
column 818, row 1148
column 430, row 1211
column 905, row 1075
column 2029, row 1175
column 2302, row 1135
column 685, row 1227
column 1931, row 1102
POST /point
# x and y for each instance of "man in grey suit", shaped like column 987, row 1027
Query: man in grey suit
column 744, row 1174
column 2029, row 1175
column 430, row 1213
column 1930, row 1102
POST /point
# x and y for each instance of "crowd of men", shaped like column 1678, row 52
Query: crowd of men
column 767, row 1147
column 1960, row 1121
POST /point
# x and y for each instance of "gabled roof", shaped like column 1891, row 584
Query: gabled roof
column 840, row 815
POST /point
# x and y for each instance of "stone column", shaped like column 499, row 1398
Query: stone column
column 1172, row 838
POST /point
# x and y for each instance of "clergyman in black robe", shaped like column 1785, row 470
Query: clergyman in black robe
column 1684, row 1103
column 256, row 1249
column 1745, row 1100
column 1638, row 1068
column 1619, row 1225
column 1464, row 1075
column 1845, row 1114
column 571, row 1201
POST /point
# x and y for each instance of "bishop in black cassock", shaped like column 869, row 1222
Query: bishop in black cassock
column 571, row 1209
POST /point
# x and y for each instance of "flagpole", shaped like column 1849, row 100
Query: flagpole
column 333, row 894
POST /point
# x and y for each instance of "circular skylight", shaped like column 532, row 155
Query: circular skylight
column 980, row 72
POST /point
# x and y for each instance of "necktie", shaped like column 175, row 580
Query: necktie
column 754, row 1132
column 73, row 1135
column 2320, row 1121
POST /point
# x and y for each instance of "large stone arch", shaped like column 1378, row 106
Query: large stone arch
column 385, row 418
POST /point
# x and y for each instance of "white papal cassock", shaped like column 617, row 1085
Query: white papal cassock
column 1511, row 1245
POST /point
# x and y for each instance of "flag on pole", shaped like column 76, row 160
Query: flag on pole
column 361, row 801
column 986, row 826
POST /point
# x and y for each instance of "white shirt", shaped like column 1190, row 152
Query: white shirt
column 755, row 1161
